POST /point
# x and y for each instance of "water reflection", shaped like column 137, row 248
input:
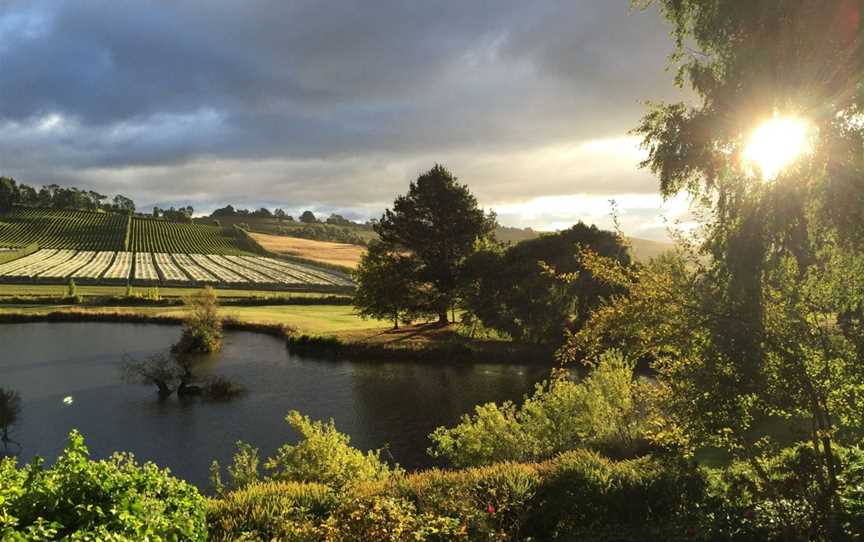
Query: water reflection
column 377, row 404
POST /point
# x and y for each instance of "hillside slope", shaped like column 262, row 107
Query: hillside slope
column 320, row 251
column 93, row 230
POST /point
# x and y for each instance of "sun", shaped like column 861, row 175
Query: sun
column 776, row 144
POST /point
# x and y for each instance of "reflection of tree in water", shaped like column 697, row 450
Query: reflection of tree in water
column 10, row 414
column 429, row 396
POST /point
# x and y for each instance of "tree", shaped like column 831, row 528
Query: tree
column 743, row 329
column 228, row 210
column 536, row 289
column 338, row 220
column 8, row 193
column 308, row 217
column 385, row 284
column 439, row 224
column 10, row 412
column 123, row 204
column 27, row 195
column 161, row 370
column 279, row 213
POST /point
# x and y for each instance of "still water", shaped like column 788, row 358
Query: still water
column 378, row 404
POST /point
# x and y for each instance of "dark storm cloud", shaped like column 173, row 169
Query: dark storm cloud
column 339, row 102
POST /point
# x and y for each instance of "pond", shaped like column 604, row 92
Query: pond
column 378, row 404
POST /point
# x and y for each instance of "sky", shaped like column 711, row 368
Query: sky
column 336, row 106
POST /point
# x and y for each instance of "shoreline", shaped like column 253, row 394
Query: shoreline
column 323, row 347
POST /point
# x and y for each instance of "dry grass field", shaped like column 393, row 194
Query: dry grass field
column 319, row 251
column 349, row 255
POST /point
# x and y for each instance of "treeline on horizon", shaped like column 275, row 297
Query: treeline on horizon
column 54, row 196
column 306, row 217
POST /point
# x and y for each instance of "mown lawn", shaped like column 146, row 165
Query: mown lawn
column 333, row 320
column 53, row 290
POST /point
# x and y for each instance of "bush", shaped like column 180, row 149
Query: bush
column 220, row 388
column 325, row 456
column 604, row 411
column 286, row 511
column 782, row 507
column 384, row 518
column 579, row 496
column 202, row 328
column 588, row 497
column 80, row 499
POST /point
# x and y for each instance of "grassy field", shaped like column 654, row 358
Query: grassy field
column 50, row 290
column 325, row 320
column 319, row 251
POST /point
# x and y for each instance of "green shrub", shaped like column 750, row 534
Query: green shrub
column 202, row 327
column 579, row 496
column 286, row 511
column 852, row 491
column 221, row 388
column 585, row 496
column 325, row 456
column 81, row 499
column 603, row 411
column 782, row 504
column 384, row 518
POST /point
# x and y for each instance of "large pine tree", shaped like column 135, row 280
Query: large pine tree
column 439, row 223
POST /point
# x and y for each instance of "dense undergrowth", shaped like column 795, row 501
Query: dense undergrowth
column 578, row 495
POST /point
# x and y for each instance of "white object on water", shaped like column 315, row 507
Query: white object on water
column 68, row 400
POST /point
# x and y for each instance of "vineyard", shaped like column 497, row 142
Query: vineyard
column 112, row 248
column 82, row 230
column 91, row 230
column 153, row 235
column 188, row 270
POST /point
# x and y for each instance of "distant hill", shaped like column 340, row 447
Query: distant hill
column 506, row 234
column 642, row 249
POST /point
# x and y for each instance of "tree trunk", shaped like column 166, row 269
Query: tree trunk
column 164, row 389
column 442, row 317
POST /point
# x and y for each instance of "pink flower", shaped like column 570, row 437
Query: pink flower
column 490, row 509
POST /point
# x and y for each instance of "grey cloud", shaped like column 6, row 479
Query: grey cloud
column 157, row 95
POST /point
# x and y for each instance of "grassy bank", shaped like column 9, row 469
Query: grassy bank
column 328, row 331
column 58, row 290
column 330, row 320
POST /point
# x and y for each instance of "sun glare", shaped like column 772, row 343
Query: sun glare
column 776, row 144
